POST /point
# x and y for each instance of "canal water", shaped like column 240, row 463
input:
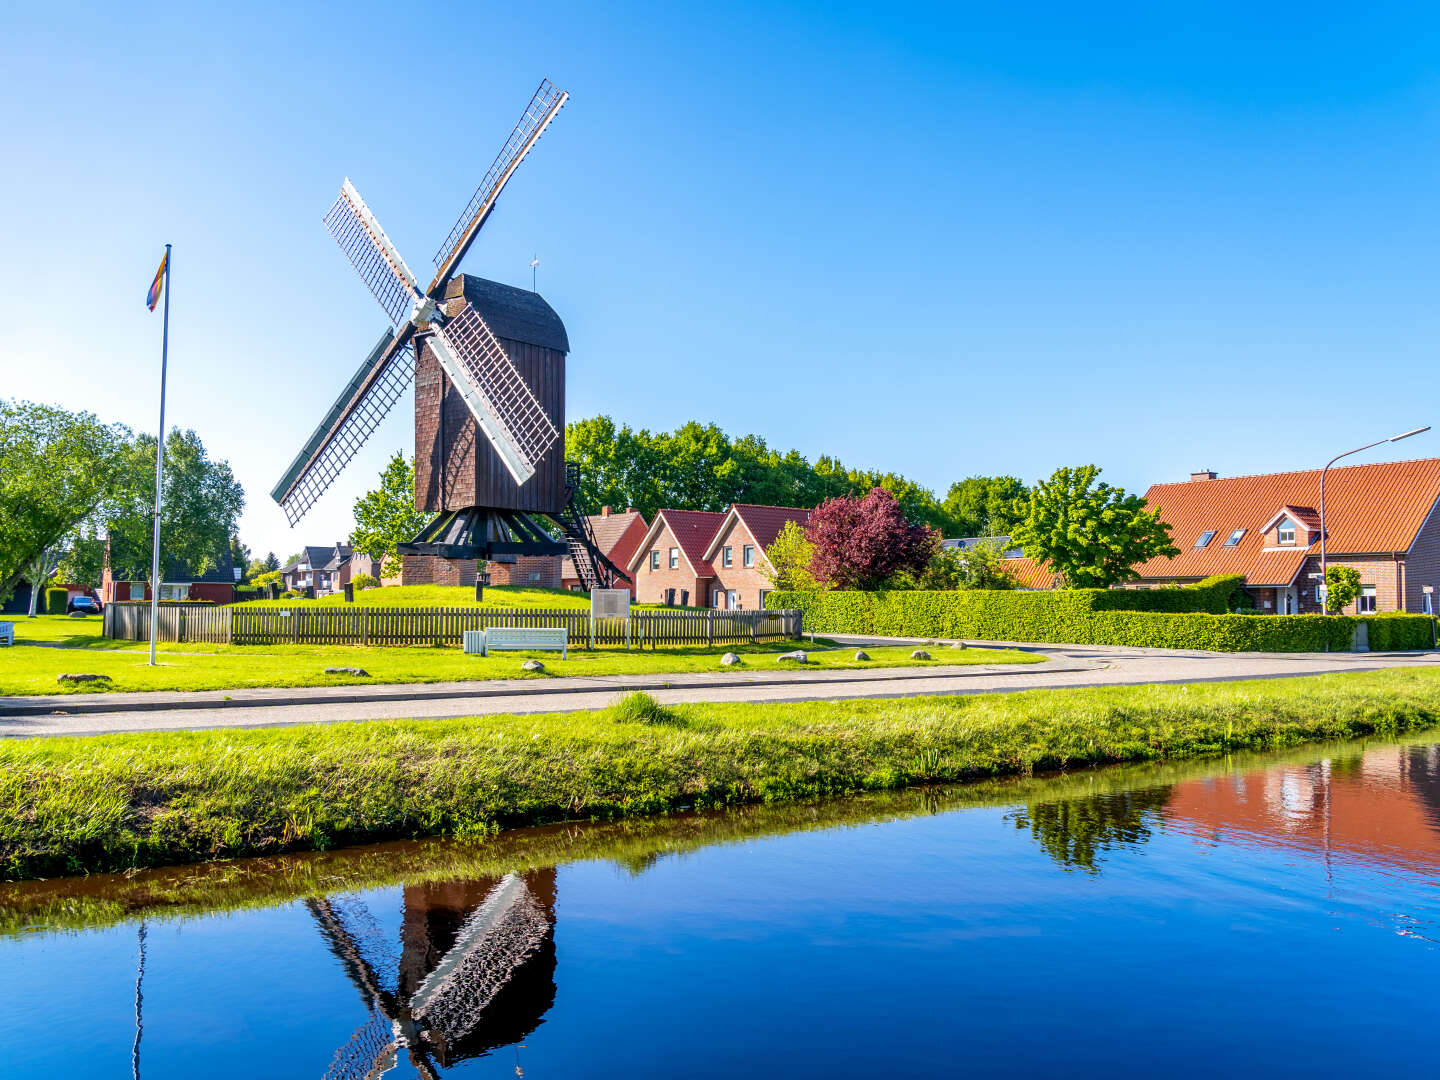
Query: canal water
column 1253, row 916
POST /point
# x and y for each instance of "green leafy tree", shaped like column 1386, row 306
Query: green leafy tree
column 83, row 561
column 200, row 508
column 787, row 561
column 386, row 517
column 271, row 562
column 1342, row 586
column 265, row 577
column 984, row 505
column 1092, row 534
column 57, row 468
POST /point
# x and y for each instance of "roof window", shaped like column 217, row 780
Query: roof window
column 1205, row 538
column 1235, row 537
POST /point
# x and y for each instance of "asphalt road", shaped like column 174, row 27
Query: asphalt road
column 1065, row 667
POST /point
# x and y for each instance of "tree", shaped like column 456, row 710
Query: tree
column 1091, row 534
column 787, row 561
column 984, row 505
column 200, row 510
column 83, row 561
column 1342, row 586
column 56, row 469
column 38, row 572
column 860, row 542
column 271, row 562
column 240, row 557
column 386, row 517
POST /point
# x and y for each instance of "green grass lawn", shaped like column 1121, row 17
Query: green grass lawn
column 496, row 596
column 32, row 665
column 109, row 802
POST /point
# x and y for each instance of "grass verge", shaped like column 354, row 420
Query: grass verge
column 69, row 805
column 30, row 667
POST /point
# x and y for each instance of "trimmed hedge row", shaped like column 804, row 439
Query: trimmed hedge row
column 1072, row 616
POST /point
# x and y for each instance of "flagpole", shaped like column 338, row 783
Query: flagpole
column 159, row 472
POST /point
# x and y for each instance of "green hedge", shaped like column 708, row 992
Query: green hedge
column 1079, row 617
column 56, row 601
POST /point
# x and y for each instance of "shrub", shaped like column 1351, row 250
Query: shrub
column 270, row 577
column 56, row 601
column 1156, row 618
column 364, row 581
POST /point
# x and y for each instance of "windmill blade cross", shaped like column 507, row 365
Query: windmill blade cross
column 502, row 403
column 372, row 254
column 364, row 402
column 543, row 107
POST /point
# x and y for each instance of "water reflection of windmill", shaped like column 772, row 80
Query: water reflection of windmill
column 475, row 970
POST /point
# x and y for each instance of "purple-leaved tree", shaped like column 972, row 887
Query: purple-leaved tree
column 859, row 542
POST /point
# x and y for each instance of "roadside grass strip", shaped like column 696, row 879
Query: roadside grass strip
column 71, row 805
column 30, row 667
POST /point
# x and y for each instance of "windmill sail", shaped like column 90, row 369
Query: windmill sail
column 372, row 254
column 366, row 400
column 504, row 406
column 543, row 107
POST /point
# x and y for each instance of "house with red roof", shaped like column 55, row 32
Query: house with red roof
column 696, row 558
column 1380, row 519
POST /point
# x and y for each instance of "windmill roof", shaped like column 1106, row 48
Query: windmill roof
column 515, row 314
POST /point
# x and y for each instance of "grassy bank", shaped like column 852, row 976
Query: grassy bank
column 633, row 843
column 37, row 658
column 68, row 805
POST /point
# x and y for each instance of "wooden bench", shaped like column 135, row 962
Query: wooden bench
column 527, row 638
column 7, row 633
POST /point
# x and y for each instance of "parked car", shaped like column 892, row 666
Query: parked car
column 88, row 604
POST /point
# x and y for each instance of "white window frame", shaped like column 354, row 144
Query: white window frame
column 1361, row 608
column 675, row 558
column 727, row 556
column 715, row 597
column 747, row 555
column 763, row 593
column 1284, row 529
column 655, row 559
column 732, row 600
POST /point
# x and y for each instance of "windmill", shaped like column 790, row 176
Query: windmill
column 489, row 364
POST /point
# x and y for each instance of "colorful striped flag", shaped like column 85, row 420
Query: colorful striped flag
column 153, row 296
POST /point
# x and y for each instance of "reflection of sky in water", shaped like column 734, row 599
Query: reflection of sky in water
column 1237, row 922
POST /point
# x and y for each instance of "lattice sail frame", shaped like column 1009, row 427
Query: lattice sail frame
column 544, row 105
column 498, row 396
column 364, row 413
column 371, row 252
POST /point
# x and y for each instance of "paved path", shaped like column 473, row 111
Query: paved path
column 1066, row 666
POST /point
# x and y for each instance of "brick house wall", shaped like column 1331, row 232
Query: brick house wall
column 747, row 582
column 433, row 570
column 532, row 571
column 1422, row 563
column 651, row 585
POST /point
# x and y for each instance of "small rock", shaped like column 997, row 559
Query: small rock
column 798, row 656
column 729, row 659
column 861, row 654
column 360, row 672
column 532, row 665
column 958, row 645
column 62, row 679
column 79, row 614
column 919, row 654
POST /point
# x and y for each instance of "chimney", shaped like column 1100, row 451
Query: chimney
column 629, row 509
column 1203, row 474
column 604, row 511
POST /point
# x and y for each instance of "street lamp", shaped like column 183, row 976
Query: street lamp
column 1325, row 585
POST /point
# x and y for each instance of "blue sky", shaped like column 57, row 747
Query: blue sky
column 939, row 239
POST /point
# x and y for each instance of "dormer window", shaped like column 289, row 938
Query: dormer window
column 1235, row 537
column 1205, row 538
column 1285, row 531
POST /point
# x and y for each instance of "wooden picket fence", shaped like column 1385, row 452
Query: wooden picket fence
column 440, row 626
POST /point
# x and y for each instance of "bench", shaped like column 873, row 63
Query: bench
column 7, row 633
column 527, row 638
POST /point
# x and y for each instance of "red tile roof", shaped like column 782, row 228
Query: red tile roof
column 693, row 530
column 762, row 522
column 1029, row 574
column 1368, row 509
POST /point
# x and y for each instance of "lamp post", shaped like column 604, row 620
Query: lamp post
column 1325, row 585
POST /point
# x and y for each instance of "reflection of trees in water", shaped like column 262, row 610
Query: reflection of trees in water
column 475, row 970
column 1076, row 832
